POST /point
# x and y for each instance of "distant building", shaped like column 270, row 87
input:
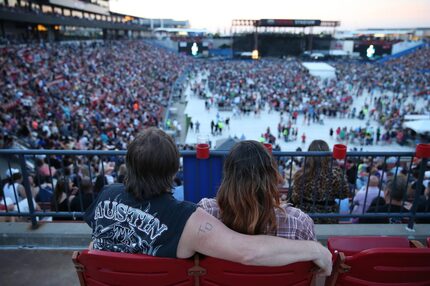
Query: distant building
column 56, row 20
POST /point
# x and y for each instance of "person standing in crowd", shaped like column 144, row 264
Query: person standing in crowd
column 142, row 216
column 197, row 126
column 227, row 123
column 316, row 185
column 248, row 198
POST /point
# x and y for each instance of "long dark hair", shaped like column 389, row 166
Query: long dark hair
column 314, row 164
column 152, row 160
column 61, row 187
column 248, row 194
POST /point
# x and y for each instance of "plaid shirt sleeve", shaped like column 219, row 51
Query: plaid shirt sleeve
column 210, row 206
column 294, row 224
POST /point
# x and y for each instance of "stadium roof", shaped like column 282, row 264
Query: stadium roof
column 178, row 30
column 384, row 31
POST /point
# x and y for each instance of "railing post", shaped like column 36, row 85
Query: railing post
column 28, row 192
column 423, row 152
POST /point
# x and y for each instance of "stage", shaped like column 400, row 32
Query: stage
column 321, row 70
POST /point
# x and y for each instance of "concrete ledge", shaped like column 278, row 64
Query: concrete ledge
column 73, row 235
column 323, row 231
column 77, row 235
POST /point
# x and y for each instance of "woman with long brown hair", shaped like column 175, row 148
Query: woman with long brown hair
column 317, row 185
column 63, row 194
column 248, row 198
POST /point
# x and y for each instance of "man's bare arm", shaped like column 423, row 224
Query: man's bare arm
column 205, row 234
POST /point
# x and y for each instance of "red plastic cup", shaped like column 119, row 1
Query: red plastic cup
column 422, row 151
column 202, row 151
column 268, row 146
column 339, row 151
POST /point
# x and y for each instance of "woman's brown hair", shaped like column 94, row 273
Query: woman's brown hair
column 314, row 164
column 248, row 194
column 61, row 187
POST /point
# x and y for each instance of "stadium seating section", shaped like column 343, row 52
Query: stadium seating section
column 360, row 261
column 107, row 268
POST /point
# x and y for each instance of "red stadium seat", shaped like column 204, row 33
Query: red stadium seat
column 110, row 268
column 97, row 268
column 428, row 241
column 226, row 273
column 382, row 267
column 350, row 245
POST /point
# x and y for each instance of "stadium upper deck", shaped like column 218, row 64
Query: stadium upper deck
column 61, row 20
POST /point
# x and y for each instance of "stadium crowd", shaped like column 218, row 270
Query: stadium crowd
column 282, row 85
column 107, row 92
column 96, row 99
column 247, row 87
column 315, row 185
column 403, row 75
column 43, row 87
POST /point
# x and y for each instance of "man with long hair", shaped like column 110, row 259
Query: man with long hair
column 143, row 217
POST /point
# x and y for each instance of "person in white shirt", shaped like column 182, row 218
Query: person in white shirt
column 14, row 188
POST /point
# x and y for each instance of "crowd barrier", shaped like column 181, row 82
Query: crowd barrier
column 201, row 177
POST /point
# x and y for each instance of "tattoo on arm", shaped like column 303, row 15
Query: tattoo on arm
column 205, row 228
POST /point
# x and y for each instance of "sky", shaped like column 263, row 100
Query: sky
column 216, row 15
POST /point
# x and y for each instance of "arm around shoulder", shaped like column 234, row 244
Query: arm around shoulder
column 205, row 234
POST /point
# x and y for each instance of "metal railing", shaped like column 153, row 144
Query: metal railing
column 201, row 178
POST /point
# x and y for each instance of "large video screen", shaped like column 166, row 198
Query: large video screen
column 193, row 48
column 372, row 49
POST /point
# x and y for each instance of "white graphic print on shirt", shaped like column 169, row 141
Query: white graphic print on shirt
column 121, row 228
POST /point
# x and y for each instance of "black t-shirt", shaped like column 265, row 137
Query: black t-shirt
column 385, row 209
column 121, row 223
column 60, row 207
column 85, row 199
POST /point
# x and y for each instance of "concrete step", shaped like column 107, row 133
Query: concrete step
column 37, row 267
column 77, row 235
